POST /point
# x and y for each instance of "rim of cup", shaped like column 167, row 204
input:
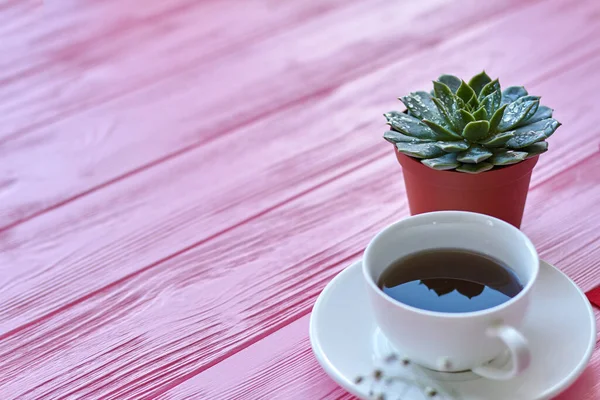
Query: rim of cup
column 429, row 218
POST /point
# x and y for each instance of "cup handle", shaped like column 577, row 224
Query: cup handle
column 519, row 353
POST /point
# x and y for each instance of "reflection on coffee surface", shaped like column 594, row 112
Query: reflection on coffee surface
column 449, row 280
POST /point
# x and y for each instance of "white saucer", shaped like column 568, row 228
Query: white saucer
column 560, row 327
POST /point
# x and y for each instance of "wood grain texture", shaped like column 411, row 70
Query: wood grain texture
column 281, row 360
column 57, row 258
column 68, row 56
column 282, row 366
column 157, row 328
column 202, row 101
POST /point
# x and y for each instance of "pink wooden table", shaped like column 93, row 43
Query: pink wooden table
column 180, row 179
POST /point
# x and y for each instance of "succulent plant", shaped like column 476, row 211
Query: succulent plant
column 471, row 127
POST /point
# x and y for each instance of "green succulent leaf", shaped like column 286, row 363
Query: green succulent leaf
column 442, row 133
column 493, row 86
column 447, row 118
column 517, row 111
column 474, row 155
column 466, row 116
column 409, row 125
column 448, row 99
column 542, row 112
column 465, row 92
column 479, row 81
column 395, row 137
column 534, row 109
column 536, row 149
column 462, row 120
column 445, row 162
column 451, row 81
column 491, row 102
column 453, row 146
column 475, row 131
column 532, row 133
column 444, row 93
column 420, row 150
column 496, row 118
column 525, row 139
column 512, row 93
column 508, row 157
column 548, row 126
column 421, row 106
column 475, row 168
column 451, row 102
column 498, row 140
column 481, row 114
column 473, row 104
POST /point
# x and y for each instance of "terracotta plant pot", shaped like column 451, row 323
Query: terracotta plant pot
column 500, row 193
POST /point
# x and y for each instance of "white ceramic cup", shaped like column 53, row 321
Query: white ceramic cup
column 454, row 341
